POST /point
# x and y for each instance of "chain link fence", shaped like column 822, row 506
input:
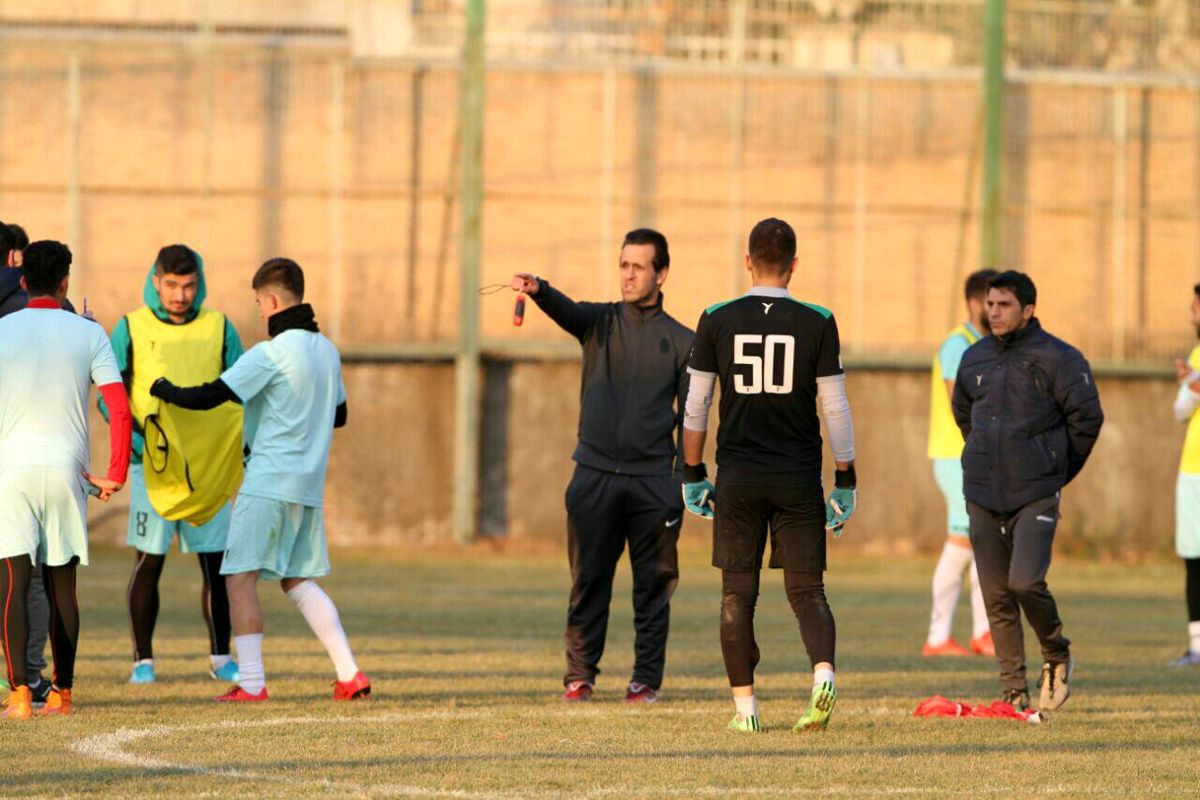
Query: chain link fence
column 263, row 146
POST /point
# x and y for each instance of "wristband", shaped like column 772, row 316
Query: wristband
column 694, row 473
column 845, row 478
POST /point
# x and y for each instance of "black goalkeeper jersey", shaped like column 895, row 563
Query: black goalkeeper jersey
column 768, row 350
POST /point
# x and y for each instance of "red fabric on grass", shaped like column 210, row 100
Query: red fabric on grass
column 938, row 706
column 120, row 430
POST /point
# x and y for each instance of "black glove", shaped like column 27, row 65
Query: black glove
column 163, row 389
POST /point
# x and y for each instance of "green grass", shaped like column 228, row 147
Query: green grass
column 465, row 653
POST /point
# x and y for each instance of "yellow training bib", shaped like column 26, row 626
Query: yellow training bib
column 193, row 459
column 1190, row 461
column 945, row 439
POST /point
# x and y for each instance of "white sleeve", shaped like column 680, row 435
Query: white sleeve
column 835, row 407
column 1186, row 401
column 699, row 399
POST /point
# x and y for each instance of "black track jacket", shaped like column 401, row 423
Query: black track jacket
column 634, row 382
column 1030, row 413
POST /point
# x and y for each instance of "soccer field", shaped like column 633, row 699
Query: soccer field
column 465, row 653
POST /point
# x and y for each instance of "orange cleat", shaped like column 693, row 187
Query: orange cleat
column 239, row 695
column 57, row 702
column 946, row 648
column 19, row 704
column 983, row 645
column 357, row 688
column 578, row 692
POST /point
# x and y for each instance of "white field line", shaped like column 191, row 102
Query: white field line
column 110, row 747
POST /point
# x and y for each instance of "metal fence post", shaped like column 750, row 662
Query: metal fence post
column 336, row 189
column 993, row 138
column 1120, row 131
column 466, row 398
column 608, row 163
column 74, row 210
column 737, row 144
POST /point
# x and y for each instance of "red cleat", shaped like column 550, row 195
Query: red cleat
column 946, row 648
column 578, row 692
column 983, row 645
column 239, row 695
column 356, row 688
column 640, row 693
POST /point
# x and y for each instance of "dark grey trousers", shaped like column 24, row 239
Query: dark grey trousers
column 1012, row 555
column 38, row 612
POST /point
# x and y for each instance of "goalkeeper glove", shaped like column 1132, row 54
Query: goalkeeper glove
column 698, row 491
column 842, row 501
column 163, row 389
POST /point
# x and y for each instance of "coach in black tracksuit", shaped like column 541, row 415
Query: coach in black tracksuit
column 1030, row 413
column 626, row 482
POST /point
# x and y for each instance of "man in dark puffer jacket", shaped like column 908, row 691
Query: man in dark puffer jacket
column 1030, row 413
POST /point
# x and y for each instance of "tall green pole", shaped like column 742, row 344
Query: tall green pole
column 993, row 139
column 466, row 395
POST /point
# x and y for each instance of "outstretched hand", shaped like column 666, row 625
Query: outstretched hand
column 101, row 488
column 525, row 283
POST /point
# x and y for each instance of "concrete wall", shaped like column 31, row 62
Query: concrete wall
column 391, row 468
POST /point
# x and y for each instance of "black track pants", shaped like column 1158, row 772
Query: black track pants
column 604, row 512
column 1012, row 556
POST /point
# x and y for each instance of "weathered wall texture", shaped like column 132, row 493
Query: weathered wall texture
column 390, row 474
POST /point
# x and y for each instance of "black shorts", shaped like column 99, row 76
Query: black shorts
column 794, row 517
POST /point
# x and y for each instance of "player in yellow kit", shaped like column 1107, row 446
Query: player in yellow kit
column 945, row 450
column 1187, row 488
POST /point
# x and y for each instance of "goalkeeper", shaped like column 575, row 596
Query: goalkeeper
column 775, row 358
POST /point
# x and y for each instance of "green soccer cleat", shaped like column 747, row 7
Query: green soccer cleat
column 740, row 724
column 820, row 707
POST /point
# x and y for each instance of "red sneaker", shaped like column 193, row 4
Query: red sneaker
column 239, row 695
column 983, row 645
column 356, row 688
column 640, row 693
column 578, row 692
column 947, row 648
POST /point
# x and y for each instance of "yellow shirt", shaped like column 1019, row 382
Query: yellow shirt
column 1190, row 461
column 945, row 439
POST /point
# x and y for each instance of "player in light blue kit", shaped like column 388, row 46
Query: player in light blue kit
column 292, row 390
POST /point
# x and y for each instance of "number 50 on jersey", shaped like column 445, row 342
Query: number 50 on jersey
column 770, row 360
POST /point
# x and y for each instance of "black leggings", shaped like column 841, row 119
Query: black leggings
column 1193, row 588
column 805, row 593
column 15, row 574
column 143, row 602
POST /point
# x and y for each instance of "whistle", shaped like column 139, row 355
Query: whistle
column 519, row 311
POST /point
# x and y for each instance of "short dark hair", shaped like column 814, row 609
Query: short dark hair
column 976, row 287
column 662, row 256
column 8, row 243
column 46, row 264
column 282, row 273
column 22, row 238
column 773, row 245
column 176, row 259
column 1018, row 283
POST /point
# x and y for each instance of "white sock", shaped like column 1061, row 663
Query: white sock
column 822, row 676
column 979, row 619
column 219, row 661
column 947, row 584
column 250, row 663
column 149, row 661
column 747, row 707
column 322, row 616
column 1194, row 636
